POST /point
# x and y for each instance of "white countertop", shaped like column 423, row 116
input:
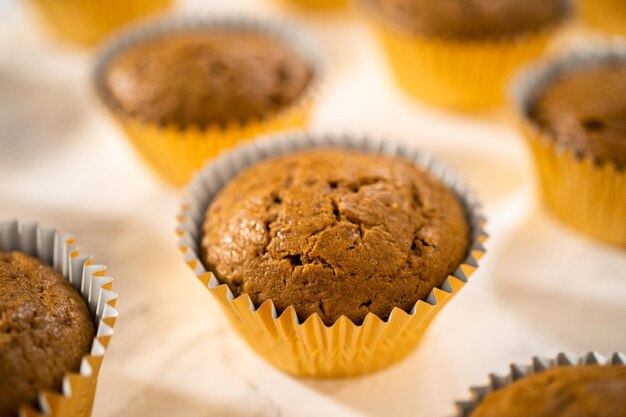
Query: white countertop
column 540, row 289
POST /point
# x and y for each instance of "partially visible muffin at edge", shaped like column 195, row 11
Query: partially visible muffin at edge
column 571, row 391
column 584, row 109
column 335, row 232
column 470, row 19
column 45, row 329
column 206, row 77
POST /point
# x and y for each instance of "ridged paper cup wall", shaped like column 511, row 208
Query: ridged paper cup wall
column 462, row 74
column 587, row 195
column 311, row 348
column 174, row 151
column 90, row 21
column 59, row 250
column 605, row 15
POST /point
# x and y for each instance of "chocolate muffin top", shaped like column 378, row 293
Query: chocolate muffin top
column 585, row 110
column 335, row 232
column 45, row 329
column 572, row 391
column 469, row 19
column 206, row 77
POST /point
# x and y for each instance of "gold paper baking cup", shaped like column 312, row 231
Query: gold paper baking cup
column 517, row 372
column 319, row 4
column 89, row 21
column 606, row 15
column 175, row 152
column 586, row 195
column 311, row 348
column 61, row 252
column 459, row 74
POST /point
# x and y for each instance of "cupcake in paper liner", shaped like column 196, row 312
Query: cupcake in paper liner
column 460, row 54
column 572, row 112
column 568, row 385
column 606, row 15
column 89, row 21
column 330, row 254
column 183, row 90
column 58, row 314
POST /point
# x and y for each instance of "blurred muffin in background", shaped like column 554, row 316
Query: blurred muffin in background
column 459, row 53
column 574, row 113
column 605, row 15
column 564, row 386
column 185, row 91
column 584, row 110
column 89, row 21
column 201, row 79
column 591, row 390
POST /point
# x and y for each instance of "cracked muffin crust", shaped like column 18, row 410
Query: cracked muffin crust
column 335, row 232
column 570, row 391
column 584, row 109
column 45, row 329
column 206, row 77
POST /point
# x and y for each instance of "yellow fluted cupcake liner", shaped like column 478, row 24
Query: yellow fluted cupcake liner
column 175, row 152
column 61, row 252
column 607, row 15
column 459, row 74
column 89, row 21
column 517, row 372
column 311, row 348
column 585, row 194
column 319, row 4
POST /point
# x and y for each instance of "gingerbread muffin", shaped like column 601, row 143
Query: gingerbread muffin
column 335, row 232
column 470, row 20
column 570, row 391
column 205, row 77
column 584, row 110
column 45, row 329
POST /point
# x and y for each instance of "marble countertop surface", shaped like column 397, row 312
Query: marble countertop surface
column 541, row 288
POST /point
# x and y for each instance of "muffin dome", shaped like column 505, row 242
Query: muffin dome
column 571, row 391
column 476, row 19
column 45, row 329
column 206, row 77
column 335, row 232
column 584, row 109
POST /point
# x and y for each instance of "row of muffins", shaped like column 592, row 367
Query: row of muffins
column 184, row 90
column 89, row 21
column 286, row 337
column 275, row 229
column 388, row 185
column 453, row 54
column 347, row 218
